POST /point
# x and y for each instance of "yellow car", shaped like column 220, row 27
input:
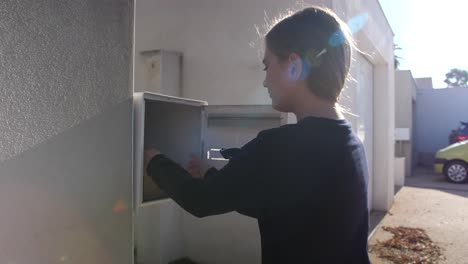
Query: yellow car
column 452, row 161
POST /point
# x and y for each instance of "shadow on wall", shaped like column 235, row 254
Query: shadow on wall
column 63, row 200
column 426, row 159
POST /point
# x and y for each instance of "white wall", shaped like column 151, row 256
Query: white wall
column 376, row 41
column 405, row 94
column 358, row 99
column 438, row 111
column 159, row 233
column 424, row 83
column 220, row 66
column 57, row 60
column 66, row 122
column 405, row 98
column 399, row 171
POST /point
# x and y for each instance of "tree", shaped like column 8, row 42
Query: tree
column 456, row 78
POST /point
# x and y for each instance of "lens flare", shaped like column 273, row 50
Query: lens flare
column 355, row 24
column 120, row 206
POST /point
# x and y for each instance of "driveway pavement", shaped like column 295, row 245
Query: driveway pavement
column 426, row 178
column 439, row 207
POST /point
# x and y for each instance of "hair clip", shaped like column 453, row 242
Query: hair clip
column 314, row 58
column 321, row 53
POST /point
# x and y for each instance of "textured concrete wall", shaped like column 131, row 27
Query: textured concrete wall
column 68, row 200
column 66, row 131
column 61, row 62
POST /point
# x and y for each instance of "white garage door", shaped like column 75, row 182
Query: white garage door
column 365, row 109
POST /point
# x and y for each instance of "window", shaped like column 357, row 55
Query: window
column 464, row 129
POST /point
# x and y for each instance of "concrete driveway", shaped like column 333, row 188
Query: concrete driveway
column 426, row 178
column 429, row 202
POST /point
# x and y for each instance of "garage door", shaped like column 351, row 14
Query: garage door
column 365, row 109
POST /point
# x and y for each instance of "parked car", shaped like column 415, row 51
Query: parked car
column 452, row 161
column 459, row 134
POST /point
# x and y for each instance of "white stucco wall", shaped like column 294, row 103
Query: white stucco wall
column 405, row 89
column 56, row 61
column 424, row 83
column 405, row 101
column 438, row 111
column 376, row 41
column 399, row 171
column 65, row 111
column 221, row 67
column 219, row 64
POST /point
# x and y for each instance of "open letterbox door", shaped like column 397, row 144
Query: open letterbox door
column 175, row 126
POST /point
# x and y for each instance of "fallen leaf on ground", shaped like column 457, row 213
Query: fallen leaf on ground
column 408, row 246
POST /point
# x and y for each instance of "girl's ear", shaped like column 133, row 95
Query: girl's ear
column 295, row 67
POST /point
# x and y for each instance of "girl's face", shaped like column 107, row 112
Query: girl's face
column 278, row 81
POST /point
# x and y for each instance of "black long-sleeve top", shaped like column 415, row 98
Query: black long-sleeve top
column 305, row 183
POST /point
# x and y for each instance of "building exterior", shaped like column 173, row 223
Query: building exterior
column 405, row 108
column 220, row 66
column 66, row 124
column 438, row 112
column 69, row 71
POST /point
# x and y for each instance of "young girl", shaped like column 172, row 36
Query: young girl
column 306, row 183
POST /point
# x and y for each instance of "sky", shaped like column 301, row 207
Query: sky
column 433, row 36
